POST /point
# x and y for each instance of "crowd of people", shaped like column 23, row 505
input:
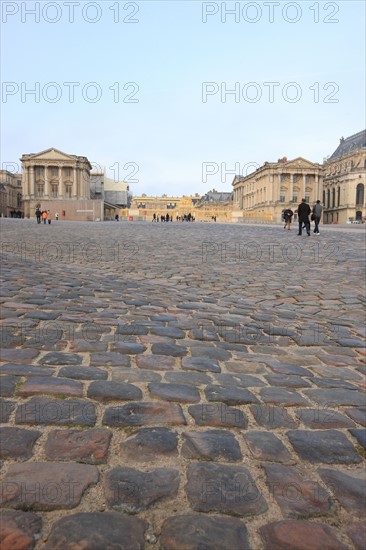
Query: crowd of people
column 44, row 216
column 167, row 218
column 305, row 215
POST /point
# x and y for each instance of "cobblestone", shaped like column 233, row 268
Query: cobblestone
column 145, row 403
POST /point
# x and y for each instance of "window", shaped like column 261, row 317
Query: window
column 39, row 190
column 19, row 200
column 338, row 196
column 54, row 172
column 333, row 197
column 54, row 191
column 324, row 198
column 282, row 196
column 307, row 198
column 360, row 192
column 294, row 198
column 68, row 191
column 328, row 198
column 68, row 172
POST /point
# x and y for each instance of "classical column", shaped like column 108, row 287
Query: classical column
column 316, row 188
column 31, row 168
column 46, row 182
column 303, row 185
column 291, row 186
column 74, row 184
column 25, row 182
column 60, row 190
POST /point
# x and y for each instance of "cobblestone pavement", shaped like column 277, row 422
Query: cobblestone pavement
column 182, row 386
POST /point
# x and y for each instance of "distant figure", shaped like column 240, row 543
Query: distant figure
column 49, row 217
column 287, row 216
column 116, row 217
column 304, row 211
column 56, row 216
column 44, row 217
column 154, row 217
column 167, row 218
column 38, row 215
column 316, row 215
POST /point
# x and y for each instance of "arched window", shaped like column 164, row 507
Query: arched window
column 328, row 198
column 360, row 190
column 338, row 196
column 324, row 197
column 333, row 197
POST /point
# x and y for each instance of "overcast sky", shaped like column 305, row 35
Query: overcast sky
column 143, row 88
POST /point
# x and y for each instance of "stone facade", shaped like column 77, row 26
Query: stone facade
column 11, row 205
column 344, row 181
column 58, row 182
column 274, row 187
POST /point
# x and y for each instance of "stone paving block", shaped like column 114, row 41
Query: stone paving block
column 134, row 329
column 357, row 534
column 282, row 396
column 169, row 332
column 19, row 530
column 218, row 415
column 110, row 359
column 174, row 392
column 245, row 380
column 358, row 415
column 348, row 486
column 22, row 356
column 193, row 531
column 272, row 417
column 230, row 395
column 87, row 346
column 46, row 385
column 190, row 378
column 88, row 446
column 299, row 535
column 17, row 443
column 104, row 391
column 97, row 530
column 323, row 419
column 43, row 410
column 83, row 373
column 150, row 444
column 6, row 409
column 296, row 494
column 171, row 350
column 155, row 362
column 25, row 370
column 328, row 446
column 360, row 435
column 131, row 491
column 128, row 348
column 8, row 385
column 287, row 381
column 59, row 358
column 200, row 364
column 129, row 375
column 141, row 414
column 337, row 396
column 266, row 446
column 214, row 353
column 46, row 486
column 225, row 489
column 211, row 445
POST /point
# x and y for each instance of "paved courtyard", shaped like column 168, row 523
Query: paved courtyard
column 182, row 386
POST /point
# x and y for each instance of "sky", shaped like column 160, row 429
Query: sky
column 175, row 97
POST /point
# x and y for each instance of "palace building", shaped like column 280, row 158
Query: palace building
column 263, row 194
column 60, row 183
column 344, row 181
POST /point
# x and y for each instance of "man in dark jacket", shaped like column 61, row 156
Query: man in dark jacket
column 317, row 214
column 303, row 213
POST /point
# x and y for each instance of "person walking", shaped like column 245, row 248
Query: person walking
column 316, row 215
column 288, row 213
column 303, row 213
column 44, row 216
column 38, row 215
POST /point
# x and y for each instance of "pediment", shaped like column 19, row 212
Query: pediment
column 299, row 163
column 52, row 154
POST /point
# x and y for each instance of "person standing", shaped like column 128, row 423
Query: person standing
column 303, row 213
column 288, row 213
column 38, row 215
column 316, row 215
column 56, row 216
column 44, row 217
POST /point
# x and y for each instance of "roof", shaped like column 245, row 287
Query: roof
column 350, row 144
